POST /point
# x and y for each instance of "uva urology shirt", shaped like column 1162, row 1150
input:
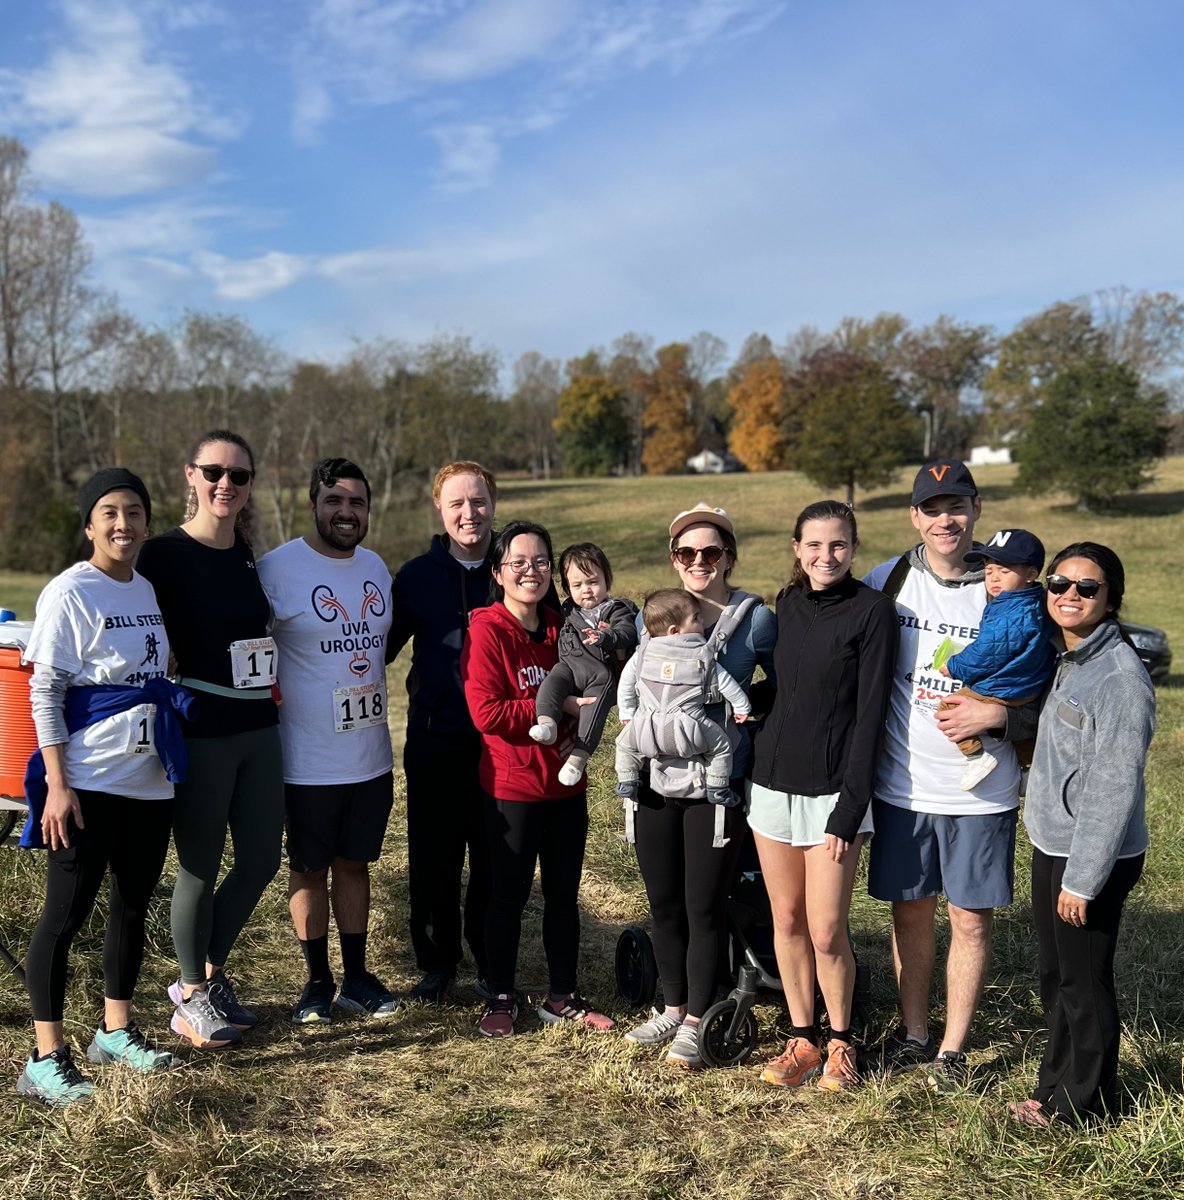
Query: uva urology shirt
column 332, row 620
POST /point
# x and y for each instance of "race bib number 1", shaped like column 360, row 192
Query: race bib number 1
column 138, row 725
column 252, row 663
column 358, row 707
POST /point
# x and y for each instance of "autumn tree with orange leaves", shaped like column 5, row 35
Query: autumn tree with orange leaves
column 668, row 418
column 758, row 400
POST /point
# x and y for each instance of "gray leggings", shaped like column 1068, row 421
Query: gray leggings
column 234, row 783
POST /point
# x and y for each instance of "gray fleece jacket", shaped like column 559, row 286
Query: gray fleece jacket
column 1085, row 793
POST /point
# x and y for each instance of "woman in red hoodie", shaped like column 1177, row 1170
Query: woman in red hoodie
column 529, row 815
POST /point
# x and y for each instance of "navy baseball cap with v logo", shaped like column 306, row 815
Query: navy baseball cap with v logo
column 945, row 477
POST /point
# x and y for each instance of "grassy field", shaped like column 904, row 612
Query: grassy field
column 422, row 1106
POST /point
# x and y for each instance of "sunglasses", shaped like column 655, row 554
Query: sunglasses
column 212, row 473
column 685, row 555
column 521, row 565
column 1087, row 589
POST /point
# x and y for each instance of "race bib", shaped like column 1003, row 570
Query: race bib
column 359, row 707
column 135, row 730
column 252, row 663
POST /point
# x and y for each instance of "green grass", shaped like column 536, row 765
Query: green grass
column 423, row 1106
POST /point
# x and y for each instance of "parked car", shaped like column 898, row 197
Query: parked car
column 1153, row 649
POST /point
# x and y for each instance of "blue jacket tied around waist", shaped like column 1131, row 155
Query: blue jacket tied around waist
column 92, row 703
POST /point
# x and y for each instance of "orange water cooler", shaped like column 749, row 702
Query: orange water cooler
column 18, row 738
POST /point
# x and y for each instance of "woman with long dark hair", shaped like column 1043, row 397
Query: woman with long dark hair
column 530, row 816
column 1084, row 814
column 812, row 779
column 217, row 617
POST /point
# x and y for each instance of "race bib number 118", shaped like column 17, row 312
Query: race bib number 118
column 358, row 707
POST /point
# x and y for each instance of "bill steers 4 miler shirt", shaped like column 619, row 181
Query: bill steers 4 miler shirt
column 920, row 768
column 332, row 619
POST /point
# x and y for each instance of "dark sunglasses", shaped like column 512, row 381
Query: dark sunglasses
column 1087, row 589
column 685, row 555
column 212, row 473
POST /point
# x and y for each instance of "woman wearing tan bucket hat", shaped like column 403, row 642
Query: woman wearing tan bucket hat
column 688, row 849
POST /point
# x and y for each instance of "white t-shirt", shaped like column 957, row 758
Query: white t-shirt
column 100, row 630
column 332, row 619
column 920, row 768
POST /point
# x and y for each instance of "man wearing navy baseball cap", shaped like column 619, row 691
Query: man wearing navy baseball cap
column 932, row 837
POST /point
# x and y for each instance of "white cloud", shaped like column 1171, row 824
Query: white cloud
column 548, row 55
column 113, row 161
column 118, row 118
column 251, row 278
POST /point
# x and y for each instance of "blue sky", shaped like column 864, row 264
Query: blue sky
column 548, row 174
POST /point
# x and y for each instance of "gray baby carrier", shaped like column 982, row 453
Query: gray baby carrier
column 673, row 686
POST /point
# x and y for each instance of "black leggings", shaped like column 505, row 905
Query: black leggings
column 130, row 836
column 687, row 883
column 553, row 833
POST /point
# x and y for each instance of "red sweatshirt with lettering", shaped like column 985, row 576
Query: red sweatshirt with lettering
column 502, row 665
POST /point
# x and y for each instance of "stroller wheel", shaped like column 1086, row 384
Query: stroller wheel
column 7, row 821
column 716, row 1048
column 636, row 968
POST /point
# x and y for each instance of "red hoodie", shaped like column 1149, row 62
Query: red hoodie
column 502, row 666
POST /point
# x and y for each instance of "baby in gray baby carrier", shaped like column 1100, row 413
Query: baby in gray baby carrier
column 662, row 698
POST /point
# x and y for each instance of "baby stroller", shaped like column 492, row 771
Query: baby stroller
column 728, row 1032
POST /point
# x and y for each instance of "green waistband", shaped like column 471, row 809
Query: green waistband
column 216, row 689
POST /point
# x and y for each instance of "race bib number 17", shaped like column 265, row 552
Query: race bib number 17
column 252, row 663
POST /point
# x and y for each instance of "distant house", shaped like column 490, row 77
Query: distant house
column 982, row 456
column 711, row 462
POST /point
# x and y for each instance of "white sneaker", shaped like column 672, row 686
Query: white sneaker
column 544, row 732
column 569, row 776
column 657, row 1031
column 977, row 769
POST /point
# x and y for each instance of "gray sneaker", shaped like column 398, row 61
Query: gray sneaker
column 657, row 1031
column 199, row 1022
column 684, row 1049
column 226, row 1002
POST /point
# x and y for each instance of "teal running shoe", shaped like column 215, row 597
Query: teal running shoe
column 54, row 1079
column 130, row 1047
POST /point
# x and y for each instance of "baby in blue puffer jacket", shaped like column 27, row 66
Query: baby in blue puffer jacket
column 1012, row 658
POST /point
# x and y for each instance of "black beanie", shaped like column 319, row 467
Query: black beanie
column 111, row 479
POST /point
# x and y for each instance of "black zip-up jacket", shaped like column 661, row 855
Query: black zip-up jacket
column 835, row 656
column 433, row 596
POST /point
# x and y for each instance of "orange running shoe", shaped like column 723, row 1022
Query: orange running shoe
column 800, row 1062
column 840, row 1072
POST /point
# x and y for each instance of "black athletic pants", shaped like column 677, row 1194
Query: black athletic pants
column 445, row 818
column 1078, row 1075
column 129, row 836
column 552, row 833
column 687, row 883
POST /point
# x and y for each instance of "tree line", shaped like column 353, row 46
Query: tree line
column 1081, row 392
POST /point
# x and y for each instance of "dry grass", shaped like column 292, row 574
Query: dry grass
column 422, row 1106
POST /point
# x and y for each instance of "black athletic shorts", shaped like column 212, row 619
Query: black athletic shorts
column 337, row 820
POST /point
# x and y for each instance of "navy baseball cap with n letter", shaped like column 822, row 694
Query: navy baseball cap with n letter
column 1015, row 547
column 945, row 477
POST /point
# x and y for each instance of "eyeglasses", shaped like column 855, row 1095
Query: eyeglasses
column 212, row 473
column 685, row 555
column 1087, row 589
column 521, row 565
